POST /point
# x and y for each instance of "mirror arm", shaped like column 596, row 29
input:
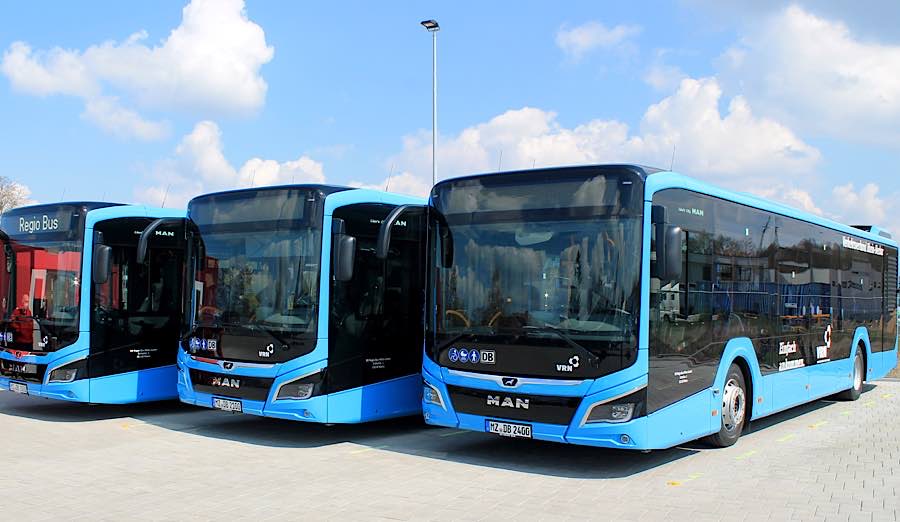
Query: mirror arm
column 384, row 233
column 144, row 241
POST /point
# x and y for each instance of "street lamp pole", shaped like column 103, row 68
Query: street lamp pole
column 433, row 28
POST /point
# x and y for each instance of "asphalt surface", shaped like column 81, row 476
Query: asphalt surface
column 823, row 461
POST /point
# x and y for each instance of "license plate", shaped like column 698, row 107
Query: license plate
column 509, row 429
column 18, row 387
column 228, row 405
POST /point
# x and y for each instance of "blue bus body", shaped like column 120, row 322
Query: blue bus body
column 76, row 355
column 721, row 311
column 370, row 373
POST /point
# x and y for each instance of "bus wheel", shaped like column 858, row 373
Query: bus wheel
column 734, row 409
column 859, row 373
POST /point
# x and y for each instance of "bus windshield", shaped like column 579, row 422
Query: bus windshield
column 258, row 273
column 539, row 266
column 40, row 278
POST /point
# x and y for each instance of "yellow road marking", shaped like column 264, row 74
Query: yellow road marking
column 869, row 404
column 818, row 424
column 694, row 476
column 452, row 433
column 787, row 437
column 845, row 412
column 887, row 395
column 745, row 456
column 673, row 483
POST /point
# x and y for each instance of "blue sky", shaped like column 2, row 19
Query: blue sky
column 145, row 101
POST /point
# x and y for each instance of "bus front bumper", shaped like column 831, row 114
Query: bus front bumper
column 314, row 409
column 438, row 410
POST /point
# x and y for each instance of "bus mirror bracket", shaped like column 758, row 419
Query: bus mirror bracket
column 344, row 248
column 144, row 241
column 382, row 245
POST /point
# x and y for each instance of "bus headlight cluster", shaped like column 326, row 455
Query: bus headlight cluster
column 301, row 388
column 612, row 413
column 618, row 409
column 432, row 395
column 68, row 372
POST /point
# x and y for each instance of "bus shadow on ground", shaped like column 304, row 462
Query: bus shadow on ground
column 409, row 436
column 50, row 410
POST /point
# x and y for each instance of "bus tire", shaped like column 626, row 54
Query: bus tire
column 734, row 409
column 858, row 376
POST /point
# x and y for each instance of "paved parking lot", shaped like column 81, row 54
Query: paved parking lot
column 824, row 461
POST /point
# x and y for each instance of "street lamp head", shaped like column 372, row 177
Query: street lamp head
column 431, row 25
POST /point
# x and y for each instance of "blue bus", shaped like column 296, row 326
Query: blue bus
column 626, row 307
column 80, row 318
column 290, row 314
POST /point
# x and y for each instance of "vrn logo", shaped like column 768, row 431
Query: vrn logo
column 573, row 363
column 507, row 402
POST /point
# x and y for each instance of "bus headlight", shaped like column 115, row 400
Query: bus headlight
column 432, row 395
column 612, row 413
column 618, row 409
column 300, row 388
column 67, row 372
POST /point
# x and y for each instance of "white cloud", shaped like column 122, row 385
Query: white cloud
column 209, row 64
column 110, row 116
column 863, row 206
column 818, row 76
column 664, row 77
column 791, row 196
column 403, row 183
column 199, row 166
column 736, row 149
column 577, row 41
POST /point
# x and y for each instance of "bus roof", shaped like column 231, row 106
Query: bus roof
column 659, row 179
column 324, row 189
column 666, row 180
column 90, row 205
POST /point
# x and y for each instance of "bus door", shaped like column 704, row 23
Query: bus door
column 135, row 306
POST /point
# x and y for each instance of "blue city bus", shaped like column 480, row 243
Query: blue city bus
column 625, row 307
column 290, row 314
column 80, row 318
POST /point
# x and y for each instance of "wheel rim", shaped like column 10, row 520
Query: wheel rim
column 857, row 373
column 733, row 406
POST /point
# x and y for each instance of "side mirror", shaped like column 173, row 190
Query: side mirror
column 673, row 261
column 669, row 261
column 343, row 252
column 100, row 263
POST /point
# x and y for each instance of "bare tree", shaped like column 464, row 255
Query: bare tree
column 12, row 194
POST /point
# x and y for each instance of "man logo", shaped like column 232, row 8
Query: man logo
column 225, row 382
column 510, row 382
column 507, row 402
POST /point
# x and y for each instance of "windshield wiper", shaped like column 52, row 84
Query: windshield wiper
column 558, row 332
column 253, row 327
